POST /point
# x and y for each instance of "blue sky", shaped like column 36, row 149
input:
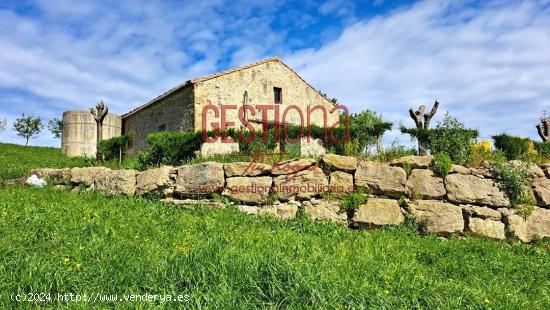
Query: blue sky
column 487, row 62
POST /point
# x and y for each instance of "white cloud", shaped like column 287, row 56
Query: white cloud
column 487, row 65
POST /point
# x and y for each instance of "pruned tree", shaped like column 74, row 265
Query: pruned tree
column 422, row 122
column 56, row 127
column 543, row 128
column 99, row 113
column 28, row 126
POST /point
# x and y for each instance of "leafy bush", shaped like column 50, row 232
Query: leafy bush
column 351, row 201
column 543, row 149
column 449, row 136
column 441, row 164
column 114, row 148
column 170, row 148
column 512, row 147
column 514, row 181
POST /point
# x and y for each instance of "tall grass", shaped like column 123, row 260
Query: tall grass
column 66, row 242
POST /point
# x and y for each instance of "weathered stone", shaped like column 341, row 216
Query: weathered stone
column 414, row 162
column 486, row 227
column 424, row 184
column 459, row 169
column 200, row 179
column 282, row 211
column 534, row 170
column 541, row 190
column 252, row 210
column 246, row 169
column 463, row 188
column 536, row 225
column 341, row 182
column 302, row 185
column 191, row 203
column 482, row 212
column 325, row 211
column 113, row 182
column 52, row 175
column 481, row 172
column 438, row 217
column 378, row 212
column 312, row 148
column 248, row 189
column 546, row 169
column 85, row 175
column 338, row 162
column 381, row 178
column 292, row 166
column 153, row 180
column 218, row 148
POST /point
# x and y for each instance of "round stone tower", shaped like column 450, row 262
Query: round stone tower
column 80, row 133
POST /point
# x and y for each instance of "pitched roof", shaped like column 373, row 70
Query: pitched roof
column 215, row 75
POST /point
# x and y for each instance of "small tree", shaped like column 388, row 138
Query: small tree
column 2, row 124
column 56, row 127
column 28, row 126
column 366, row 129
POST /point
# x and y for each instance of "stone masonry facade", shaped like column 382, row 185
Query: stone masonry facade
column 182, row 107
column 467, row 200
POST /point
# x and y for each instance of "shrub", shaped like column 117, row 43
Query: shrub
column 170, row 148
column 452, row 138
column 543, row 149
column 449, row 136
column 513, row 147
column 441, row 164
column 114, row 148
column 351, row 201
column 514, row 181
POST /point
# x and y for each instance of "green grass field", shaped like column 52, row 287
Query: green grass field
column 65, row 242
column 17, row 160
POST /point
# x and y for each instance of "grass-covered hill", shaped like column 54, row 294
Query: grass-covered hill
column 17, row 160
column 65, row 242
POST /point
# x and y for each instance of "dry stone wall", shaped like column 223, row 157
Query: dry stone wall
column 468, row 200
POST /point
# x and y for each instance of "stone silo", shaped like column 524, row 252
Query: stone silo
column 80, row 132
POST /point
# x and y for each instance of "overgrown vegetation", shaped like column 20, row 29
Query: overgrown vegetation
column 514, row 181
column 449, row 137
column 114, row 148
column 350, row 202
column 441, row 164
column 65, row 242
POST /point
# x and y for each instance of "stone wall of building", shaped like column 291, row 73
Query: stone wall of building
column 171, row 113
column 258, row 81
column 465, row 201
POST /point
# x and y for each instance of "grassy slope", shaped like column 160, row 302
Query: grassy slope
column 17, row 160
column 224, row 259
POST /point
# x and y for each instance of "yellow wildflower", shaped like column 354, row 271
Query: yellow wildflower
column 66, row 259
column 78, row 265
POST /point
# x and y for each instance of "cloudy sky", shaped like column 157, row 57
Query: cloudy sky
column 488, row 63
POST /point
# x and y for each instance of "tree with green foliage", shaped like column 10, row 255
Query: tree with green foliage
column 367, row 129
column 56, row 127
column 28, row 126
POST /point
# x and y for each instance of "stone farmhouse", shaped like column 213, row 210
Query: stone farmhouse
column 269, row 82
